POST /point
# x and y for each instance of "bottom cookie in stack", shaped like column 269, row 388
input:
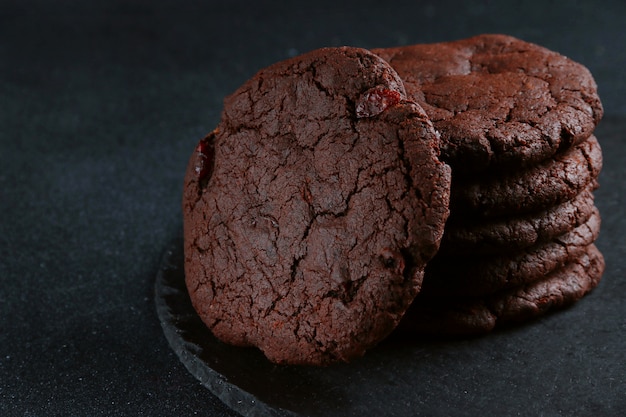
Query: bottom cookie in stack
column 476, row 315
column 517, row 245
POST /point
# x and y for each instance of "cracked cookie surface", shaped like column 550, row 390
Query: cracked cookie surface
column 498, row 101
column 312, row 209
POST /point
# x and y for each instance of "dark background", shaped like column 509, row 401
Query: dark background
column 101, row 104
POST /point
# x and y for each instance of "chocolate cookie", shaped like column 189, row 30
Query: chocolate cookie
column 475, row 315
column 498, row 101
column 510, row 233
column 474, row 275
column 311, row 211
column 549, row 183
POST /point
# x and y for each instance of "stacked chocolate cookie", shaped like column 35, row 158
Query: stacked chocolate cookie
column 516, row 123
column 442, row 188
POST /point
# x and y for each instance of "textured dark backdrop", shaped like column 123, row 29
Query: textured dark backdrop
column 102, row 102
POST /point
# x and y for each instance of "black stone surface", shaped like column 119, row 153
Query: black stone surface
column 101, row 104
column 394, row 379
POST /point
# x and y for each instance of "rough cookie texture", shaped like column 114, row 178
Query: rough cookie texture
column 308, row 223
column 498, row 101
column 549, row 183
column 475, row 275
column 510, row 233
column 477, row 315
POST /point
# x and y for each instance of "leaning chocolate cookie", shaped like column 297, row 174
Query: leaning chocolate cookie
column 497, row 101
column 311, row 211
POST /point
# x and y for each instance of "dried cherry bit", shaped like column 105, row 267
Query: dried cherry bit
column 205, row 154
column 375, row 101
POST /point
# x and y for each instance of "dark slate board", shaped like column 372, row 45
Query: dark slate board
column 247, row 382
column 570, row 362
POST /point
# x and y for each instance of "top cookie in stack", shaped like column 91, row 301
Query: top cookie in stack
column 497, row 101
column 516, row 123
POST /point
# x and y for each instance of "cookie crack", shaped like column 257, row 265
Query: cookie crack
column 348, row 290
column 314, row 77
column 406, row 164
column 589, row 160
